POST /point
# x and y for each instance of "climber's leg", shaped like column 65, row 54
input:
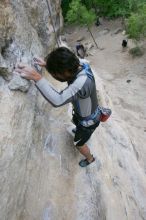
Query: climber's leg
column 82, row 135
column 85, row 151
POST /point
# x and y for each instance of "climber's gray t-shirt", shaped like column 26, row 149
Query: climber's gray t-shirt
column 81, row 93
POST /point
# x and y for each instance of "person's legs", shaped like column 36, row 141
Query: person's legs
column 82, row 135
column 85, row 151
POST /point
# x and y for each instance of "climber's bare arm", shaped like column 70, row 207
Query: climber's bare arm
column 28, row 72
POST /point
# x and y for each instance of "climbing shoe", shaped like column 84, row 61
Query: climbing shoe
column 85, row 162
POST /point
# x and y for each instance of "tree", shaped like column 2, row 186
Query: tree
column 78, row 14
column 136, row 23
column 65, row 7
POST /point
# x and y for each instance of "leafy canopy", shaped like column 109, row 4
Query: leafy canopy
column 108, row 8
column 136, row 24
column 113, row 8
column 78, row 14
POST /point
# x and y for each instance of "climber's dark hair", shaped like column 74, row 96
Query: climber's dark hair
column 61, row 60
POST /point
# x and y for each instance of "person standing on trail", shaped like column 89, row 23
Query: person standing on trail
column 80, row 50
column 64, row 66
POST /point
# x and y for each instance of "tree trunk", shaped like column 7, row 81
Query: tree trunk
column 93, row 37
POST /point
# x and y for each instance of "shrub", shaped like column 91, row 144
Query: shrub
column 136, row 24
column 136, row 51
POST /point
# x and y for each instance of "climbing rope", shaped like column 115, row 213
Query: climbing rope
column 52, row 22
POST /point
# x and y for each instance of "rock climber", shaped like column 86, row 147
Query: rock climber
column 64, row 66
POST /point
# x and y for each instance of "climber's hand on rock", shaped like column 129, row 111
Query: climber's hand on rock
column 28, row 72
column 39, row 61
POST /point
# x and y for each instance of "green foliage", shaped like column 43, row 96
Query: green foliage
column 108, row 8
column 136, row 24
column 85, row 12
column 78, row 14
column 136, row 51
column 65, row 7
column 116, row 8
column 112, row 8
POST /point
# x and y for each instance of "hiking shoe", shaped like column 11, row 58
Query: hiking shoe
column 85, row 162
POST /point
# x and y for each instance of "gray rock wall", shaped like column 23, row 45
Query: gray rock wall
column 25, row 30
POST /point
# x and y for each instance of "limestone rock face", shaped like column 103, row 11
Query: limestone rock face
column 18, row 83
column 25, row 31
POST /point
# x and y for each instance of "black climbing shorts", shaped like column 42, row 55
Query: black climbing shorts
column 82, row 134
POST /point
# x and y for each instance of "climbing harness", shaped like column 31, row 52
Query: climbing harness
column 48, row 6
